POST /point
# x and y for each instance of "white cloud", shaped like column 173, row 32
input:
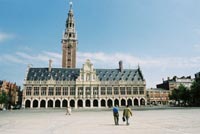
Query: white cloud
column 105, row 60
column 154, row 68
column 111, row 60
column 5, row 36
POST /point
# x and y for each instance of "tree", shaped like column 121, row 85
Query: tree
column 195, row 92
column 182, row 93
column 3, row 98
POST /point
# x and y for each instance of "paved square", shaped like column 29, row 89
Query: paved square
column 54, row 121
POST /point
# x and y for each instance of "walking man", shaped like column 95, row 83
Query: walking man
column 127, row 114
column 68, row 110
column 116, row 115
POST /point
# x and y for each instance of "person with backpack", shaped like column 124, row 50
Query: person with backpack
column 116, row 115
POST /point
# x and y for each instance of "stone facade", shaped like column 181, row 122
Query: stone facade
column 156, row 96
column 84, row 87
column 81, row 87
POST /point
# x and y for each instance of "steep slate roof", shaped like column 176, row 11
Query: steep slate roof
column 37, row 74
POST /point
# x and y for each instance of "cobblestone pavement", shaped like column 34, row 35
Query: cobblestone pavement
column 54, row 121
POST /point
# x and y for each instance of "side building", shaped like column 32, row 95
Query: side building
column 83, row 87
column 197, row 75
column 157, row 96
column 13, row 93
column 175, row 82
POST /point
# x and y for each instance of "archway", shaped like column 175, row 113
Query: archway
column 35, row 103
column 43, row 104
column 142, row 102
column 136, row 102
column 80, row 103
column 109, row 103
column 50, row 103
column 72, row 103
column 95, row 103
column 123, row 102
column 130, row 102
column 103, row 103
column 27, row 104
column 57, row 103
column 87, row 103
column 64, row 103
column 116, row 102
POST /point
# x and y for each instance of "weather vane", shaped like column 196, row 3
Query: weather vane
column 70, row 3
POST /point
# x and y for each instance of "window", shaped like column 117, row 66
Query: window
column 51, row 92
column 128, row 89
column 43, row 91
column 109, row 90
column 141, row 89
column 28, row 91
column 116, row 90
column 36, row 91
column 135, row 90
column 65, row 90
column 122, row 90
column 103, row 90
column 58, row 90
column 95, row 91
column 88, row 91
column 80, row 90
column 72, row 91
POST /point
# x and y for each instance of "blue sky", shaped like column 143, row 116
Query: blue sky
column 162, row 36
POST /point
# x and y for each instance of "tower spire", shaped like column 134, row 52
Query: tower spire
column 69, row 41
column 70, row 4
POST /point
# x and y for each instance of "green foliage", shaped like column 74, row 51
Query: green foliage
column 182, row 94
column 195, row 92
column 3, row 98
column 191, row 97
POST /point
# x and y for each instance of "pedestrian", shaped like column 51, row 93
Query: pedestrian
column 127, row 114
column 116, row 114
column 68, row 111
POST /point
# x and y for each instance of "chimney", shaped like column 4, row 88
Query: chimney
column 120, row 66
column 50, row 65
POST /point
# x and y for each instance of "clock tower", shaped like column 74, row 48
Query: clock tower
column 69, row 42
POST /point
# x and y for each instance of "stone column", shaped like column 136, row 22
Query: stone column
column 31, row 104
column 46, row 105
column 75, row 104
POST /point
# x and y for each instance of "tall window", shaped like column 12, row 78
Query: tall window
column 80, row 90
column 141, row 89
column 103, row 90
column 36, row 91
column 65, row 90
column 135, row 90
column 43, row 91
column 109, row 90
column 88, row 91
column 72, row 91
column 122, row 90
column 95, row 91
column 51, row 92
column 28, row 91
column 128, row 90
column 116, row 90
column 58, row 90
